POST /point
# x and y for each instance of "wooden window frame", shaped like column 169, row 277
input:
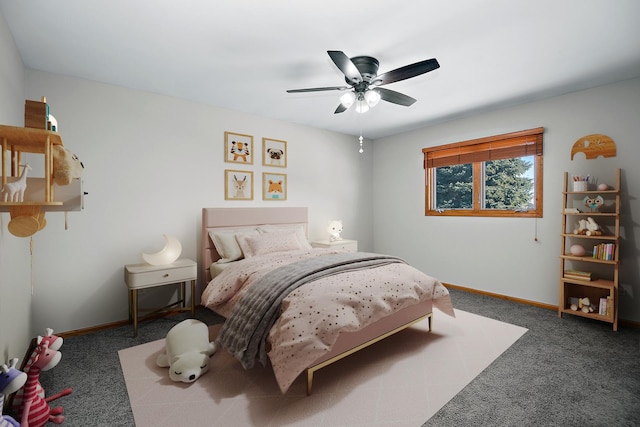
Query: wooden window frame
column 477, row 151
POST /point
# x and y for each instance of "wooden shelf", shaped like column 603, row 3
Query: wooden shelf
column 608, row 270
column 29, row 140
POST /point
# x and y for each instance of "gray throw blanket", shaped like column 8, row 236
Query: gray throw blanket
column 245, row 332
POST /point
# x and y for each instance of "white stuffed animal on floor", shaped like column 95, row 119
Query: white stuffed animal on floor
column 187, row 351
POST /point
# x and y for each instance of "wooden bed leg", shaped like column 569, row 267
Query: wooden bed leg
column 309, row 381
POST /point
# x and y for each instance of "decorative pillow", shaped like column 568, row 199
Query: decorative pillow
column 226, row 244
column 297, row 228
column 262, row 244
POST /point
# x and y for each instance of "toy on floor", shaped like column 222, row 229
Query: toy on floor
column 36, row 411
column 54, row 342
column 187, row 351
column 11, row 380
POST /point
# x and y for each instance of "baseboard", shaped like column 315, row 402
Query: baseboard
column 448, row 285
column 552, row 307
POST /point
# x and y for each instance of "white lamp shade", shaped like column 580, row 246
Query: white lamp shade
column 348, row 99
column 362, row 106
column 171, row 252
column 372, row 97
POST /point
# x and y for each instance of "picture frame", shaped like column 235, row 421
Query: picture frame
column 238, row 184
column 274, row 186
column 238, row 148
column 274, row 152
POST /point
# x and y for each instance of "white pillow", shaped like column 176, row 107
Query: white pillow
column 262, row 244
column 226, row 244
column 297, row 228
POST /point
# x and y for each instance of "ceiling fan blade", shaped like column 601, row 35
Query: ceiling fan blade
column 341, row 109
column 318, row 89
column 344, row 63
column 407, row 72
column 395, row 97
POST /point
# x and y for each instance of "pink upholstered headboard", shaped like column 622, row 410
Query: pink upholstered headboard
column 216, row 218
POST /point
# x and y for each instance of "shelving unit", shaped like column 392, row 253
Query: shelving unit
column 27, row 217
column 604, row 283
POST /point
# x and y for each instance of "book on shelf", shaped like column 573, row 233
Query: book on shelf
column 577, row 274
column 602, row 307
column 604, row 251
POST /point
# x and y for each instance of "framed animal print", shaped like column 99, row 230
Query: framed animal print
column 274, row 152
column 238, row 185
column 274, row 186
column 238, row 148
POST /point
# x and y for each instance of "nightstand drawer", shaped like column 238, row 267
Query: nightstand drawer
column 351, row 245
column 145, row 275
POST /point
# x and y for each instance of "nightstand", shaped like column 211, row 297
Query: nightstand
column 142, row 276
column 351, row 245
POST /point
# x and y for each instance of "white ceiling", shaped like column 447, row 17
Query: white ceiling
column 244, row 54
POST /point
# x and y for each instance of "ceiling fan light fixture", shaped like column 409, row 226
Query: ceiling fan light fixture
column 372, row 97
column 361, row 106
column 348, row 99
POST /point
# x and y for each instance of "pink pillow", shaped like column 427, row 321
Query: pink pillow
column 262, row 244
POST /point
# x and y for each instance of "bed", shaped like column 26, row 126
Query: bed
column 249, row 252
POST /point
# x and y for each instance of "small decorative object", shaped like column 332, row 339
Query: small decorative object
column 238, row 185
column 274, row 186
column 11, row 380
column 593, row 146
column 36, row 411
column 588, row 227
column 274, row 152
column 603, row 187
column 14, row 191
column 187, row 351
column 335, row 228
column 577, row 250
column 593, row 203
column 66, row 165
column 580, row 183
column 238, row 148
column 168, row 254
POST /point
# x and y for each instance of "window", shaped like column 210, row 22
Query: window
column 494, row 176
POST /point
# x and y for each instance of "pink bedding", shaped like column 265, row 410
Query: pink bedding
column 313, row 315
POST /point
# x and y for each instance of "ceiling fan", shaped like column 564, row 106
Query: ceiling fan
column 361, row 75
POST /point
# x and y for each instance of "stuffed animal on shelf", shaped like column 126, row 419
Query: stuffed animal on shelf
column 54, row 342
column 11, row 380
column 66, row 165
column 588, row 227
column 187, row 351
column 335, row 228
column 36, row 411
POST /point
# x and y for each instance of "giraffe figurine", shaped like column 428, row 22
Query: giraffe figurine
column 14, row 191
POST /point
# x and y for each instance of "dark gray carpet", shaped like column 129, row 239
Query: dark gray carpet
column 563, row 372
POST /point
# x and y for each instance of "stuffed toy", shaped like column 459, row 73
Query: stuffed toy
column 334, row 229
column 187, row 351
column 66, row 165
column 54, row 342
column 36, row 411
column 11, row 380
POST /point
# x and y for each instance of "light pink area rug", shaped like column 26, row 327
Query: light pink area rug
column 400, row 381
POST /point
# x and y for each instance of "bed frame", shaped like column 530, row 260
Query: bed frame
column 348, row 342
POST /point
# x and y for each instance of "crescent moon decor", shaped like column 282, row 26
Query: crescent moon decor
column 171, row 251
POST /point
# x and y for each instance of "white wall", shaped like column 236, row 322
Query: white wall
column 15, row 296
column 151, row 164
column 500, row 255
